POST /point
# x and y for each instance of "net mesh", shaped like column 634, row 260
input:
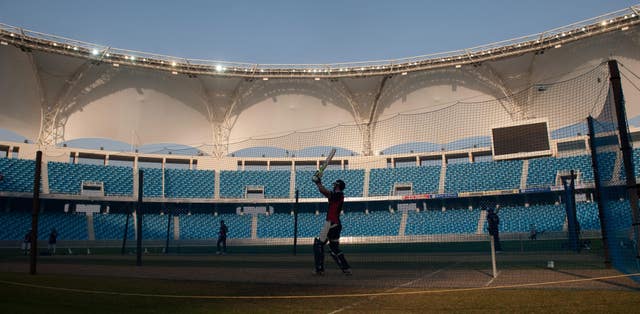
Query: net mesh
column 453, row 126
column 417, row 221
column 615, row 199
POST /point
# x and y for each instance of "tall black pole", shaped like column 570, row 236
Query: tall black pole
column 625, row 147
column 166, row 245
column 139, row 218
column 34, row 214
column 597, row 194
column 126, row 232
column 295, row 224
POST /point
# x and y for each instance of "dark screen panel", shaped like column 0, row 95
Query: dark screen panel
column 520, row 139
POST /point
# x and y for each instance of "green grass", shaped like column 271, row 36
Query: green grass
column 21, row 299
column 159, row 295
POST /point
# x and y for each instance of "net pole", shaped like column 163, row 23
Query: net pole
column 493, row 257
column 570, row 208
column 139, row 219
column 166, row 244
column 626, row 149
column 295, row 224
column 33, row 254
column 597, row 194
column 126, row 229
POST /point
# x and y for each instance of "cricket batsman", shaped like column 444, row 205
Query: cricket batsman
column 331, row 229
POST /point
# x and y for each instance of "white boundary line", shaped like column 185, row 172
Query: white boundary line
column 325, row 296
column 389, row 290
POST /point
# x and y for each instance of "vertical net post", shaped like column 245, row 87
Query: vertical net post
column 568, row 183
column 625, row 147
column 166, row 245
column 597, row 194
column 34, row 214
column 295, row 224
column 126, row 232
column 493, row 257
column 139, row 218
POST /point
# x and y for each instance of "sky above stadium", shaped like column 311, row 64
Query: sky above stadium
column 298, row 31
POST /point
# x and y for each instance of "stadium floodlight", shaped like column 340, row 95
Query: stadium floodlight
column 94, row 52
column 219, row 68
column 173, row 63
column 107, row 55
column 133, row 58
column 604, row 23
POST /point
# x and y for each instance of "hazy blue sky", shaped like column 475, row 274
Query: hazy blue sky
column 299, row 31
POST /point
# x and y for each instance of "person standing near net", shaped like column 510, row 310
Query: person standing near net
column 53, row 239
column 222, row 238
column 26, row 242
column 331, row 228
column 494, row 221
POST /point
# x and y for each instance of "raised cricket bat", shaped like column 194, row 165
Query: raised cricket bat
column 326, row 162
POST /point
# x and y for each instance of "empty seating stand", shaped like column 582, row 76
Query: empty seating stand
column 66, row 178
column 276, row 183
column 17, row 175
column 483, row 176
column 423, row 179
column 354, row 180
column 182, row 183
column 451, row 221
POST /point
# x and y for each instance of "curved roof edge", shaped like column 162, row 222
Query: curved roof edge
column 614, row 21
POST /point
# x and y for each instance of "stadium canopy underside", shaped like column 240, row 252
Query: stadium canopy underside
column 52, row 98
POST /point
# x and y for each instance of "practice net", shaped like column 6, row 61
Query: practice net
column 416, row 212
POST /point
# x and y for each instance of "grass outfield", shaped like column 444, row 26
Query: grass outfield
column 389, row 278
column 37, row 299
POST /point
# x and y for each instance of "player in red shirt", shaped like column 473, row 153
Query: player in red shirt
column 331, row 229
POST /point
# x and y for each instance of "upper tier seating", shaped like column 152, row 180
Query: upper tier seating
column 181, row 183
column 152, row 185
column 354, row 180
column 17, row 175
column 66, row 178
column 543, row 171
column 483, row 176
column 276, row 183
column 424, row 179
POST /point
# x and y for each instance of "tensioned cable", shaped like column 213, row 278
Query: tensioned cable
column 630, row 81
column 326, row 296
